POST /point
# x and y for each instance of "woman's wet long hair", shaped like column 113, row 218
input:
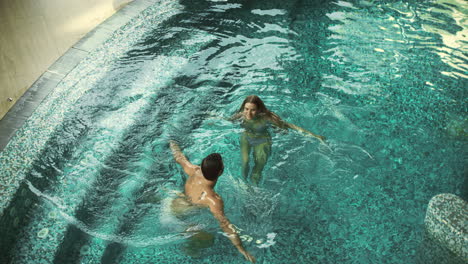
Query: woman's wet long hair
column 256, row 101
column 262, row 109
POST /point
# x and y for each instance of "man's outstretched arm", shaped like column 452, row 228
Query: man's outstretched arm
column 217, row 209
column 180, row 158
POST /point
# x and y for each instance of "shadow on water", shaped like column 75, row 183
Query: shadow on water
column 181, row 106
column 116, row 169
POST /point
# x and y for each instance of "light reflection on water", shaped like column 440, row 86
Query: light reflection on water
column 354, row 72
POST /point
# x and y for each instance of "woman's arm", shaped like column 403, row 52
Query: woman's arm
column 234, row 116
column 321, row 138
column 277, row 121
column 215, row 116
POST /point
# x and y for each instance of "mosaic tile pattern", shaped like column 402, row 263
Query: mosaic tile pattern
column 447, row 222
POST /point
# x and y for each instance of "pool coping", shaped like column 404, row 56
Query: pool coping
column 48, row 81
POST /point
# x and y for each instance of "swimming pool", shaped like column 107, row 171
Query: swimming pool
column 384, row 81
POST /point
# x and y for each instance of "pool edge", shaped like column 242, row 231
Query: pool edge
column 47, row 81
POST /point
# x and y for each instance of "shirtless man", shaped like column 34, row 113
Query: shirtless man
column 199, row 192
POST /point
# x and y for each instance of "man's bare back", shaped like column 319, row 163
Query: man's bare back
column 199, row 191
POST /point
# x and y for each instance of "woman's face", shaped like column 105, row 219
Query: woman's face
column 250, row 111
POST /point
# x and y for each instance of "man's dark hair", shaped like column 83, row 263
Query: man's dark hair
column 212, row 166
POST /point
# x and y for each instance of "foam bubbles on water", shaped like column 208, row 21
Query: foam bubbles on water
column 271, row 12
column 270, row 241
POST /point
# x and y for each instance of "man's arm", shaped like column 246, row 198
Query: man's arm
column 217, row 209
column 180, row 158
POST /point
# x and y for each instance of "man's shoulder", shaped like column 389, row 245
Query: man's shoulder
column 214, row 197
column 195, row 170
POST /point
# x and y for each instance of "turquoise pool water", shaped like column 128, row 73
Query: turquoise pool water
column 384, row 81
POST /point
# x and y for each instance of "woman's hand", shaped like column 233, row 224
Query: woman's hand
column 321, row 138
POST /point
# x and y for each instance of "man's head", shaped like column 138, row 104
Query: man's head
column 212, row 166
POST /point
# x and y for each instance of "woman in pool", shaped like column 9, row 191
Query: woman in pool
column 256, row 119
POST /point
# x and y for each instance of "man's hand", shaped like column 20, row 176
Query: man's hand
column 173, row 145
column 176, row 151
column 180, row 158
